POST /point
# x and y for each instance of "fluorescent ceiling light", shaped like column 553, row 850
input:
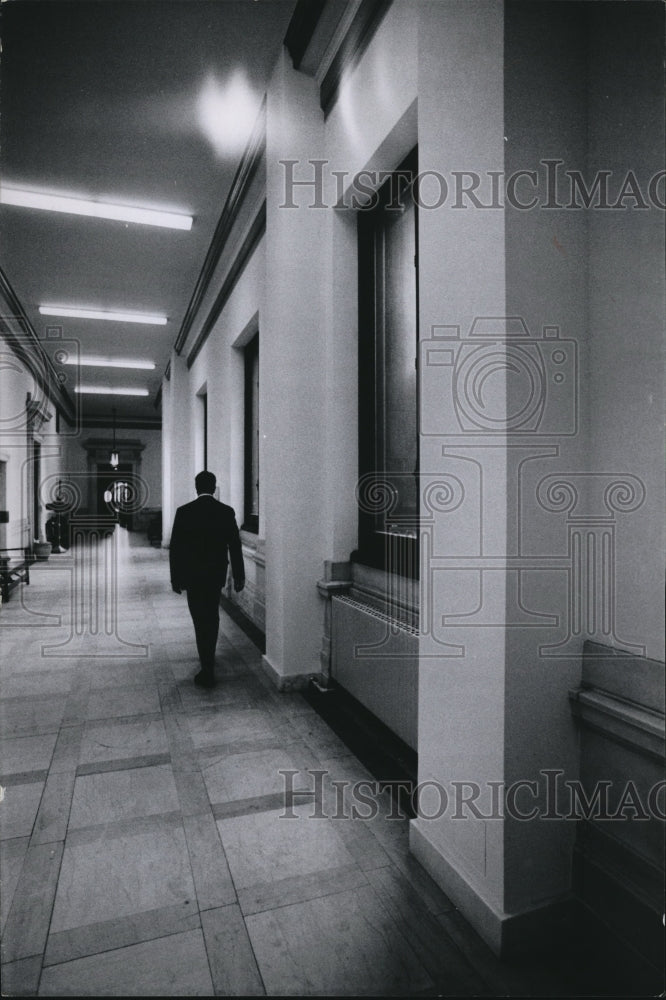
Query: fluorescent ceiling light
column 93, row 209
column 106, row 390
column 91, row 362
column 119, row 317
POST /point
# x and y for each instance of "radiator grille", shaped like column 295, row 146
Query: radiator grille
column 375, row 658
column 379, row 615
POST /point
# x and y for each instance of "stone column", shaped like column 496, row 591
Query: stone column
column 293, row 380
column 177, row 461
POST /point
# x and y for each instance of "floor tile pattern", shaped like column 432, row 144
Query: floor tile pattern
column 147, row 842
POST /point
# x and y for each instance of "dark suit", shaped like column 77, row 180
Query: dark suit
column 204, row 537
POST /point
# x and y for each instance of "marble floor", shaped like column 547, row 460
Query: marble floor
column 148, row 845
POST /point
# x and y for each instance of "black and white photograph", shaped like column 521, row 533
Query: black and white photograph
column 332, row 493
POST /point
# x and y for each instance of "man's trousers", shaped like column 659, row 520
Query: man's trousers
column 203, row 600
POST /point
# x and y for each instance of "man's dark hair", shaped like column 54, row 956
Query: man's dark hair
column 204, row 482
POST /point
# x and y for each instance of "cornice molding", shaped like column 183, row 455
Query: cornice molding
column 37, row 412
column 142, row 423
column 301, row 28
column 252, row 157
column 254, row 234
column 362, row 29
column 122, row 444
column 28, row 348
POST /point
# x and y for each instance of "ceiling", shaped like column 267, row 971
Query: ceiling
column 101, row 99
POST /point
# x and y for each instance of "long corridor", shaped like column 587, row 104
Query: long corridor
column 150, row 845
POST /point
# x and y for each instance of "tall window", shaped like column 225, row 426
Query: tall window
column 388, row 404
column 3, row 502
column 36, row 483
column 201, row 440
column 251, row 513
column 204, row 403
column 201, row 428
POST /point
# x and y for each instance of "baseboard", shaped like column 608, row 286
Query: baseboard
column 508, row 935
column 284, row 682
column 563, row 926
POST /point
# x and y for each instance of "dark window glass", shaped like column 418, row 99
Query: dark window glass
column 251, row 513
column 388, row 339
column 36, row 483
column 204, row 407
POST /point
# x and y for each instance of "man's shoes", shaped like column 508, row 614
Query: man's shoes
column 204, row 679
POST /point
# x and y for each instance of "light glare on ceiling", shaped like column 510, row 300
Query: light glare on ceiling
column 227, row 113
column 119, row 317
column 93, row 209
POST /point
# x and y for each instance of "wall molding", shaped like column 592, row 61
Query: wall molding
column 618, row 874
column 252, row 157
column 621, row 721
column 301, row 28
column 38, row 363
column 250, row 329
column 624, row 675
column 363, row 27
column 621, row 697
column 247, row 248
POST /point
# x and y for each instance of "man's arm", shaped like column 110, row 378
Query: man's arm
column 236, row 555
column 176, row 554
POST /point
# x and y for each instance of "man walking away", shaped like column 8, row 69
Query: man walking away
column 204, row 537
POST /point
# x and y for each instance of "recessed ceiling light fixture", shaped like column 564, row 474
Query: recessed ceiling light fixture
column 92, row 362
column 94, row 209
column 107, row 390
column 118, row 317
